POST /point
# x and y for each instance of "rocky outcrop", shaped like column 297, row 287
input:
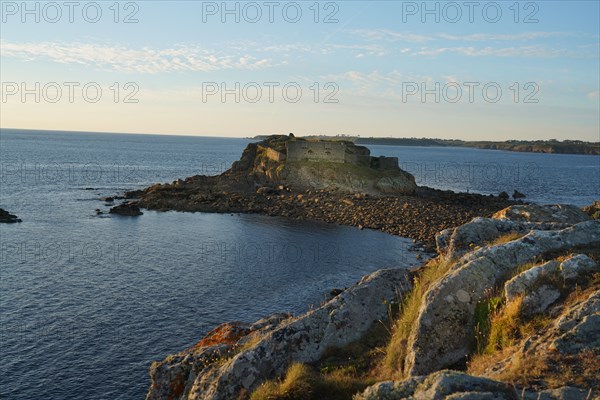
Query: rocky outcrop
column 572, row 338
column 452, row 385
column 452, row 243
column 536, row 213
column 542, row 285
column 127, row 209
column 341, row 321
column 8, row 218
column 443, row 334
column 593, row 210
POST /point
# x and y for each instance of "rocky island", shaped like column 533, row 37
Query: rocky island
column 332, row 181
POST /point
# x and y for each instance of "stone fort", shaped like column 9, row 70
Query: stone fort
column 342, row 152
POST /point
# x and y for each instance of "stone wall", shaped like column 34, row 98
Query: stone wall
column 337, row 152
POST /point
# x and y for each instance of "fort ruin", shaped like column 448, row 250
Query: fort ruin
column 343, row 152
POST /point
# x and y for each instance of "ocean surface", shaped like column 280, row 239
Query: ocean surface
column 87, row 302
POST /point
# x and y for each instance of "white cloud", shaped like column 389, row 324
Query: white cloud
column 123, row 59
column 391, row 36
column 397, row 36
column 594, row 94
column 480, row 37
column 523, row 51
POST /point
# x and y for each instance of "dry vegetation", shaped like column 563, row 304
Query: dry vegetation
column 509, row 237
column 395, row 353
column 302, row 382
column 504, row 345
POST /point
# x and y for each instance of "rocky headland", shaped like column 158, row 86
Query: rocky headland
column 509, row 309
column 332, row 181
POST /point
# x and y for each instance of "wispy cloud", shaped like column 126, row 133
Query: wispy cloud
column 391, row 36
column 397, row 36
column 124, row 59
column 522, row 51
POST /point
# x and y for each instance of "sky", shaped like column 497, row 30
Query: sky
column 467, row 69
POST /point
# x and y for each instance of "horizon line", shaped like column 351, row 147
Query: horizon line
column 270, row 134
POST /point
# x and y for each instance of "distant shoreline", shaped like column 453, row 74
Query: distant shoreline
column 522, row 146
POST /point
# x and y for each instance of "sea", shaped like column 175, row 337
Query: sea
column 88, row 302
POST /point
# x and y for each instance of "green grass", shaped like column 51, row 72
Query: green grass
column 484, row 311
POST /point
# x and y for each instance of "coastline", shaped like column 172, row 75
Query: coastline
column 419, row 216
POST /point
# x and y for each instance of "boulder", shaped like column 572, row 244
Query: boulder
column 175, row 375
column 542, row 285
column 578, row 328
column 127, row 209
column 453, row 243
column 518, row 195
column 305, row 339
column 8, row 218
column 593, row 210
column 549, row 213
column 452, row 385
column 443, row 333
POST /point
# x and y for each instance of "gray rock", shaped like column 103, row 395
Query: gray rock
column 578, row 328
column 542, row 285
column 342, row 320
column 563, row 393
column 578, row 267
column 564, row 213
column 391, row 390
column 443, row 333
column 438, row 386
column 452, row 385
column 453, row 243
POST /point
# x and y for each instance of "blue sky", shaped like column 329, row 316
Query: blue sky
column 373, row 59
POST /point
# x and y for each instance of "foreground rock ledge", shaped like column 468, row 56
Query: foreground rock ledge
column 193, row 374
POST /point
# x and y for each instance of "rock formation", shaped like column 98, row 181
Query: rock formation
column 127, row 209
column 8, row 218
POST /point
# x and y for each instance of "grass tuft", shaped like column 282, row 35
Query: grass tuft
column 393, row 362
column 509, row 237
column 301, row 382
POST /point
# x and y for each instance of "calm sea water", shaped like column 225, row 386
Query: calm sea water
column 543, row 178
column 87, row 302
